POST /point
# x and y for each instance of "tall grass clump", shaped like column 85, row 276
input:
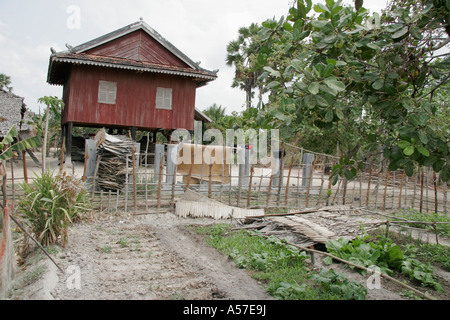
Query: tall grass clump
column 51, row 203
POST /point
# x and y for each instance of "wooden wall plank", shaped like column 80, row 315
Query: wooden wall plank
column 135, row 102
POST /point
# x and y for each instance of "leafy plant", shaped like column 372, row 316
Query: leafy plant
column 51, row 203
column 123, row 242
column 273, row 262
column 434, row 253
column 286, row 290
column 270, row 254
column 340, row 285
column 384, row 254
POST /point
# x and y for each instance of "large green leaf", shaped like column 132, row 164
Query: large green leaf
column 9, row 136
column 297, row 64
column 378, row 84
column 29, row 143
column 272, row 72
column 400, row 33
column 314, row 88
column 329, row 116
column 395, row 256
column 334, row 84
column 404, row 144
column 423, row 151
column 409, row 150
column 443, row 64
column 320, row 8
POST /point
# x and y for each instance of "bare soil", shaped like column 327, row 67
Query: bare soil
column 148, row 257
column 151, row 257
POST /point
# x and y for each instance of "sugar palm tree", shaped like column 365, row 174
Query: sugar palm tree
column 241, row 54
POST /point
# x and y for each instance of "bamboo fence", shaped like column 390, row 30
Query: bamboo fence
column 374, row 187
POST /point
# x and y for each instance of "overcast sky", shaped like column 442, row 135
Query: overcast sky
column 199, row 28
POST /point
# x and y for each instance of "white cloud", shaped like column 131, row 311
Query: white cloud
column 25, row 65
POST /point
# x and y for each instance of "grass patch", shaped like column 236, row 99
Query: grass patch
column 106, row 249
column 436, row 254
column 426, row 252
column 282, row 268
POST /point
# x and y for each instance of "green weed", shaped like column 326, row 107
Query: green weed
column 280, row 266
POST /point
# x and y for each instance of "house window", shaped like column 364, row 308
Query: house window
column 107, row 91
column 164, row 98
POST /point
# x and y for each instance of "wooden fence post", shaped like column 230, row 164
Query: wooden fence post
column 252, row 170
column 269, row 191
column 401, row 189
column 133, row 158
column 61, row 161
column 281, row 177
column 6, row 253
column 287, row 182
column 368, row 187
column 344, row 191
column 25, row 170
column 435, row 193
column 161, row 164
column 309, row 182
column 210, row 182
column 174, row 182
column 421, row 191
column 385, row 189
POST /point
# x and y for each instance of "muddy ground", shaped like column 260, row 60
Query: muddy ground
column 147, row 257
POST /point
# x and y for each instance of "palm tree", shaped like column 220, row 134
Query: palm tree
column 241, row 54
column 5, row 82
column 215, row 112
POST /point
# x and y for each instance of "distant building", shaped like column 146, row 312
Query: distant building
column 13, row 111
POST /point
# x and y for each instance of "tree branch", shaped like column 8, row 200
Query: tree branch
column 436, row 87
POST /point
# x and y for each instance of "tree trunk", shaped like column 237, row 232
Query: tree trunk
column 249, row 97
column 44, row 145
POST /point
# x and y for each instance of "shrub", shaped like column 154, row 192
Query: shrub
column 51, row 203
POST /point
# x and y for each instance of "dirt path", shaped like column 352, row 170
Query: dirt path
column 148, row 257
column 151, row 257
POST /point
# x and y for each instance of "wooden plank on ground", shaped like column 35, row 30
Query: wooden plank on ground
column 308, row 228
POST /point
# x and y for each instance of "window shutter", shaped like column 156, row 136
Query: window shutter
column 107, row 92
column 164, row 98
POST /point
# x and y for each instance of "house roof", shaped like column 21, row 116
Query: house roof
column 12, row 112
column 200, row 116
column 60, row 62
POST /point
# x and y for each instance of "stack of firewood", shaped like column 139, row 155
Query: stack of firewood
column 112, row 154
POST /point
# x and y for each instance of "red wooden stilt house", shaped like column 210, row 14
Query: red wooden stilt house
column 130, row 79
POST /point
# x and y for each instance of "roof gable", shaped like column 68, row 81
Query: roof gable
column 138, row 46
column 152, row 36
column 134, row 47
